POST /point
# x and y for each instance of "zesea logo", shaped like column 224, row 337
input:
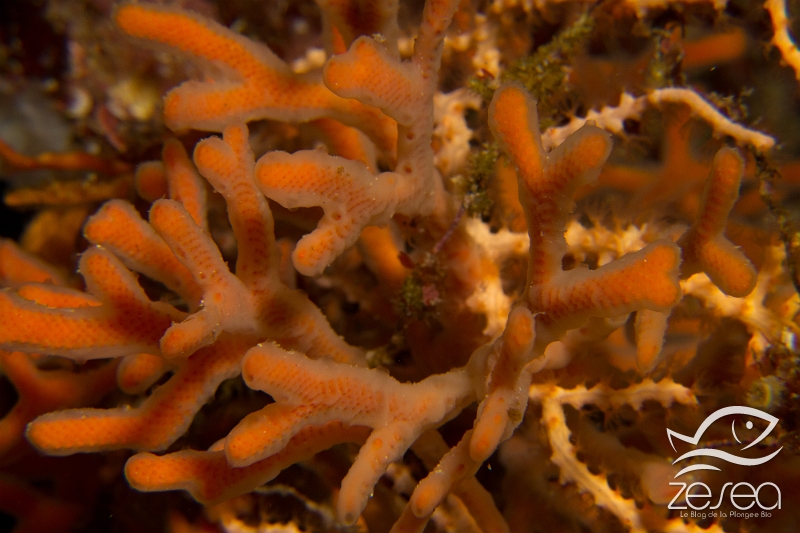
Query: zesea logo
column 711, row 452
column 743, row 496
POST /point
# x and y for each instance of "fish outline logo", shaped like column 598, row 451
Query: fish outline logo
column 725, row 456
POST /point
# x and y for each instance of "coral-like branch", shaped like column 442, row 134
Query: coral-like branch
column 312, row 393
column 612, row 118
column 61, row 161
column 117, row 227
column 42, row 391
column 194, row 298
column 124, row 322
column 704, row 245
column 155, row 424
column 352, row 196
column 235, row 312
column 553, row 400
column 507, row 381
column 782, row 39
column 255, row 83
column 643, row 279
column 209, row 477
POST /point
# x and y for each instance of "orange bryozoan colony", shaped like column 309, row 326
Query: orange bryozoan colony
column 386, row 292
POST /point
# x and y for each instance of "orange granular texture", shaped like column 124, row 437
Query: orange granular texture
column 127, row 319
column 256, row 84
column 547, row 183
column 704, row 245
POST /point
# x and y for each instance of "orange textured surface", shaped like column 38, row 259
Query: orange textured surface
column 704, row 245
column 118, row 227
column 368, row 71
column 18, row 266
column 238, row 318
column 259, row 85
column 42, row 391
column 126, row 322
column 228, row 164
column 310, row 392
column 647, row 278
column 350, row 195
column 137, row 372
column 185, row 185
column 508, row 383
column 156, row 423
column 547, row 181
column 55, row 296
column 210, row 479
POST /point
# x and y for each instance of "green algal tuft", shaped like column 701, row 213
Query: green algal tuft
column 544, row 73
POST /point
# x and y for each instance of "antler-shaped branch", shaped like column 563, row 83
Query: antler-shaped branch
column 255, row 83
column 352, row 196
column 155, row 424
column 643, row 279
column 314, row 392
column 501, row 381
column 237, row 311
column 253, row 300
column 322, row 403
column 118, row 227
column 121, row 319
column 704, row 245
column 209, row 477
